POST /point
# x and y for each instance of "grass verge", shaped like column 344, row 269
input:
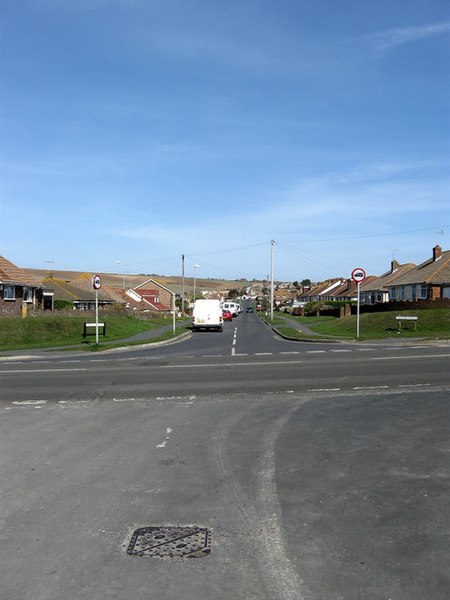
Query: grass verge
column 67, row 330
column 431, row 323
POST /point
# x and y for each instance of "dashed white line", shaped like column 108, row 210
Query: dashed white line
column 22, row 371
column 414, row 385
column 414, row 356
column 371, row 387
column 29, row 402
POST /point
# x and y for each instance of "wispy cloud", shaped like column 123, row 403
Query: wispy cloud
column 383, row 40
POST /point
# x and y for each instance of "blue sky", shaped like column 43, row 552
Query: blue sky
column 135, row 131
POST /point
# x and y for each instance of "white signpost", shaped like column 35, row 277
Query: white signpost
column 96, row 284
column 358, row 275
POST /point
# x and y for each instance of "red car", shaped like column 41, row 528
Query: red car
column 227, row 316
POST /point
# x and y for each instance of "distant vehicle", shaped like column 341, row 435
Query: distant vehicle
column 233, row 307
column 227, row 316
column 207, row 314
column 249, row 309
column 259, row 307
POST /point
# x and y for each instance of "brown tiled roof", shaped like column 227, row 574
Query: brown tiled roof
column 434, row 271
column 10, row 273
column 81, row 290
column 387, row 279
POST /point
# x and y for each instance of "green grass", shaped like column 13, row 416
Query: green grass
column 63, row 330
column 431, row 323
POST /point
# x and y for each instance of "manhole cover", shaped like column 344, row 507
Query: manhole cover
column 170, row 542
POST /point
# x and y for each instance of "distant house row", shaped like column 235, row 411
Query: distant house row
column 20, row 292
column 403, row 282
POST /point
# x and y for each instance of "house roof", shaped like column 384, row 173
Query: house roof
column 374, row 284
column 435, row 270
column 81, row 290
column 13, row 275
column 153, row 282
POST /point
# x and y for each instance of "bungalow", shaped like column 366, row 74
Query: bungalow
column 428, row 281
column 18, row 290
column 375, row 290
column 320, row 291
column 80, row 292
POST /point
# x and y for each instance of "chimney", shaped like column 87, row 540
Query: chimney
column 437, row 252
column 394, row 266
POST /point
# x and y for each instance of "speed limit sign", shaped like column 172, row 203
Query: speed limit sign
column 358, row 275
column 96, row 282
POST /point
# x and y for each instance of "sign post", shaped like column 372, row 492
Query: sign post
column 96, row 284
column 174, row 308
column 358, row 275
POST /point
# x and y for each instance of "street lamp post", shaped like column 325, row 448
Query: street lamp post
column 195, row 273
column 118, row 262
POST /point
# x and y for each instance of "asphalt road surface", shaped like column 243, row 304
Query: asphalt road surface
column 291, row 470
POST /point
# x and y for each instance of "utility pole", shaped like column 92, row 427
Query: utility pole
column 182, row 285
column 271, row 278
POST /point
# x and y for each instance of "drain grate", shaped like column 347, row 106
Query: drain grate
column 170, row 542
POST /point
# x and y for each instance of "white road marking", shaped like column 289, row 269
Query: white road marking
column 64, row 370
column 371, row 387
column 416, row 356
column 29, row 402
column 414, row 385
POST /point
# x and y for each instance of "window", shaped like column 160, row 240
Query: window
column 27, row 294
column 9, row 292
column 424, row 291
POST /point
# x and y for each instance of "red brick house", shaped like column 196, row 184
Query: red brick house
column 150, row 296
column 428, row 281
column 376, row 289
column 19, row 292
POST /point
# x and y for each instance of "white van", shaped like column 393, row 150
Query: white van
column 233, row 307
column 207, row 314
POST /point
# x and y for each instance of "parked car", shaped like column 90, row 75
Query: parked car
column 233, row 307
column 259, row 307
column 207, row 314
column 249, row 309
column 227, row 316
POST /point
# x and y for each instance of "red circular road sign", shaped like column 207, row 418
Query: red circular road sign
column 358, row 275
column 96, row 282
